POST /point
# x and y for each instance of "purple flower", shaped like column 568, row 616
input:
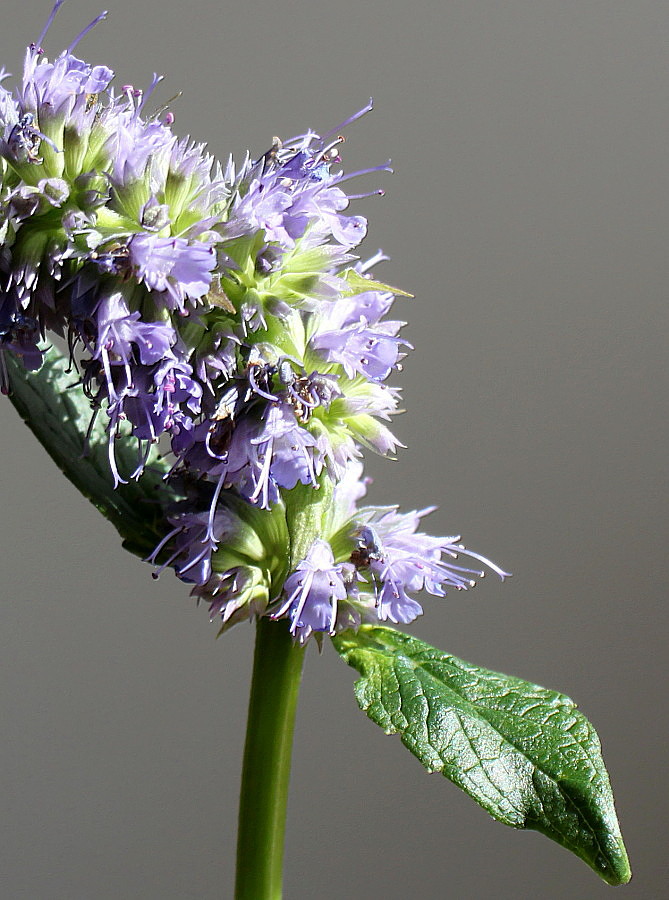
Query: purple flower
column 195, row 535
column 257, row 439
column 313, row 593
column 235, row 595
column 123, row 338
column 350, row 332
column 155, row 402
column 19, row 334
column 175, row 268
column 257, row 456
column 369, row 566
column 228, row 312
column 136, row 367
column 286, row 451
column 291, row 194
column 401, row 559
column 60, row 89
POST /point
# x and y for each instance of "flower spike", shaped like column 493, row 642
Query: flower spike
column 223, row 314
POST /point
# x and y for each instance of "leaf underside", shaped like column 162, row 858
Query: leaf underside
column 524, row 753
column 56, row 410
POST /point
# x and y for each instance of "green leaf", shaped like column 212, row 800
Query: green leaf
column 525, row 753
column 58, row 413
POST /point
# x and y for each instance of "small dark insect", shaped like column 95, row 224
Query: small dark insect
column 223, row 423
column 219, row 437
column 114, row 260
column 368, row 548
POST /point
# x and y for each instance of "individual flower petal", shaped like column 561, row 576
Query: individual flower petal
column 172, row 266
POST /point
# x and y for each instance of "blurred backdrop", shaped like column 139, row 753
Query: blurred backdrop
column 529, row 215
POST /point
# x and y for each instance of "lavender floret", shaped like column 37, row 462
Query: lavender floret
column 313, row 593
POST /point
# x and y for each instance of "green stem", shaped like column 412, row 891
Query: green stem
column 277, row 670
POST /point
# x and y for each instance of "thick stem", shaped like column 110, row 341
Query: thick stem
column 277, row 670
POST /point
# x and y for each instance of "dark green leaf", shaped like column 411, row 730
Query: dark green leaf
column 58, row 413
column 525, row 753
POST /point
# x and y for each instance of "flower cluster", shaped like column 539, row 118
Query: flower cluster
column 363, row 567
column 224, row 311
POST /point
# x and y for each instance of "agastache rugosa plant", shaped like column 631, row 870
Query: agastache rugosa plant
column 225, row 357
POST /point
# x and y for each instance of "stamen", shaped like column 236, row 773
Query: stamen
column 212, row 511
column 154, row 84
column 263, row 477
column 174, row 556
column 385, row 167
column 256, row 387
column 165, row 540
column 379, row 193
column 353, row 118
column 303, row 599
column 491, row 565
column 103, row 15
column 324, row 155
column 40, row 40
column 378, row 257
column 112, row 460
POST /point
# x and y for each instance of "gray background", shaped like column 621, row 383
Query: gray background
column 529, row 214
